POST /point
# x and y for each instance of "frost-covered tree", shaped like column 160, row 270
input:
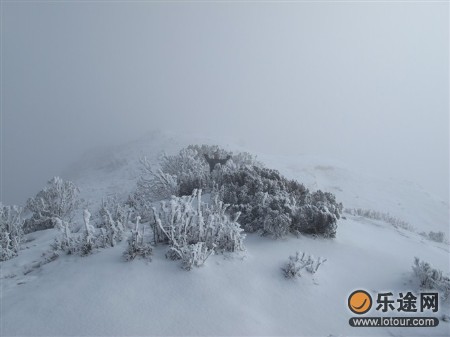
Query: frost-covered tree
column 57, row 200
column 11, row 231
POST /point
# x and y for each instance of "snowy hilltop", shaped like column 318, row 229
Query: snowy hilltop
column 176, row 235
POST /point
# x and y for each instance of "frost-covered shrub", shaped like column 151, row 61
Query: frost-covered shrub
column 233, row 160
column 87, row 243
column 11, row 231
column 261, row 195
column 120, row 212
column 57, row 200
column 431, row 278
column 66, row 241
column 137, row 245
column 111, row 231
column 436, row 236
column 89, row 238
column 177, row 175
column 376, row 215
column 141, row 205
column 113, row 216
column 190, row 169
column 194, row 167
column 223, row 233
column 318, row 215
column 75, row 243
column 276, row 224
column 244, row 159
column 299, row 262
column 156, row 184
column 274, row 205
column 185, row 221
column 266, row 201
column 209, row 150
column 193, row 255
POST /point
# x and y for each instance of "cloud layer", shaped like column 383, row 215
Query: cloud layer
column 366, row 82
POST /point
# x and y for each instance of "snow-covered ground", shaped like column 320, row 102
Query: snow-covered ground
column 233, row 294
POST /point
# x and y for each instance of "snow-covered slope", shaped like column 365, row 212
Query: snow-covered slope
column 232, row 294
column 102, row 295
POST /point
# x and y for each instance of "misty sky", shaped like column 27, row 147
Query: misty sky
column 365, row 82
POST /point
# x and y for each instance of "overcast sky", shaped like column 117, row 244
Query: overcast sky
column 366, row 82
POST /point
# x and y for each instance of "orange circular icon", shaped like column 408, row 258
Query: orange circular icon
column 359, row 302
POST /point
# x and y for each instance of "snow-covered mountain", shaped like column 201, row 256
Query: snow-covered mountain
column 233, row 294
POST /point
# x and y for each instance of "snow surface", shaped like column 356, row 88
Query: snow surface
column 233, row 294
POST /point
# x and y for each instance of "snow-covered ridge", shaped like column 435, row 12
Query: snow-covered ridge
column 116, row 170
